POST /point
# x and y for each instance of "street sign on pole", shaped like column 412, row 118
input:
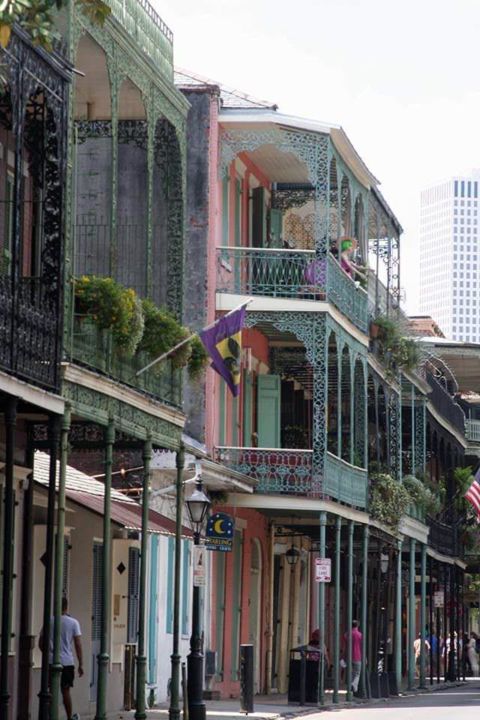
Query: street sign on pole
column 323, row 570
column 198, row 566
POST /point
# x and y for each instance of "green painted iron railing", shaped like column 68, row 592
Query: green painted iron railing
column 347, row 295
column 344, row 482
column 271, row 272
column 278, row 470
column 94, row 348
column 148, row 30
column 417, row 512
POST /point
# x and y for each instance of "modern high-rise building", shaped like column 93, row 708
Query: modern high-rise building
column 450, row 256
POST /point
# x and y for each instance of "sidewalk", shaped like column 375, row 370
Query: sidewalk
column 272, row 707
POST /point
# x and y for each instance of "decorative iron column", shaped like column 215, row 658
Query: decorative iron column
column 141, row 679
column 8, row 540
column 411, row 618
column 352, row 408
column 351, row 528
column 321, row 614
column 336, row 647
column 174, row 709
column 104, row 657
column 364, row 619
column 398, row 618
column 423, row 612
column 56, row 669
column 44, row 694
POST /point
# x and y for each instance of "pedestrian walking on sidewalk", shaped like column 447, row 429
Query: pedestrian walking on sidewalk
column 357, row 644
column 70, row 635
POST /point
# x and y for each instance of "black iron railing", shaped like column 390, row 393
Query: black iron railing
column 444, row 403
column 444, row 538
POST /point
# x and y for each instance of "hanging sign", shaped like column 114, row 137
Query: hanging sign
column 198, row 566
column 323, row 570
column 438, row 599
column 219, row 533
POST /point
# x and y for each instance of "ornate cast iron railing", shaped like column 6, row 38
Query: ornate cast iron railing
column 271, row 272
column 347, row 295
column 93, row 347
column 148, row 30
column 472, row 430
column 443, row 538
column 445, row 404
column 344, row 482
column 29, row 330
column 416, row 512
column 278, row 471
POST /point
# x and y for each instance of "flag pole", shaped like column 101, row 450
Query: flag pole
column 186, row 340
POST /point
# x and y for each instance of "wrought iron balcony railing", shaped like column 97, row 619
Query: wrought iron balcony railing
column 416, row 512
column 344, row 482
column 278, row 471
column 29, row 331
column 443, row 402
column 148, row 30
column 472, row 430
column 94, row 348
column 443, row 538
column 347, row 295
column 270, row 272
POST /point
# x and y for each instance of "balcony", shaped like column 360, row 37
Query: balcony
column 345, row 483
column 417, row 513
column 442, row 537
column 278, row 471
column 472, row 430
column 347, row 295
column 29, row 331
column 148, row 31
column 94, row 349
column 443, row 402
column 270, row 272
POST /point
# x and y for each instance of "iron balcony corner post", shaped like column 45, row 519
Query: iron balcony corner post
column 8, row 530
column 336, row 647
column 321, row 614
column 351, row 530
column 56, row 669
column 411, row 618
column 423, row 613
column 364, row 619
column 140, row 712
column 104, row 657
column 398, row 618
column 174, row 709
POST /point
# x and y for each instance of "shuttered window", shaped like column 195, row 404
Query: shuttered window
column 133, row 593
column 97, row 595
column 185, row 585
column 170, row 585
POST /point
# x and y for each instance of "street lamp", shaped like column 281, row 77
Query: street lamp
column 292, row 556
column 197, row 505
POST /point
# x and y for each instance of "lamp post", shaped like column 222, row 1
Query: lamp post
column 197, row 505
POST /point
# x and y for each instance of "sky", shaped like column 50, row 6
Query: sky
column 401, row 78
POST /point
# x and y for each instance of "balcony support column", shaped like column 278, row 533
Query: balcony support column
column 321, row 614
column 339, row 407
column 423, row 613
column 351, row 529
column 352, row 410
column 336, row 647
column 398, row 618
column 411, row 618
column 115, row 82
column 413, row 433
column 364, row 618
column 420, row 438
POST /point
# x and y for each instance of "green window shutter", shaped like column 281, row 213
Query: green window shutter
column 247, row 409
column 276, row 219
column 238, row 212
column 225, row 210
column 185, row 585
column 133, row 594
column 259, row 218
column 268, row 410
column 152, row 611
column 221, row 420
column 236, row 602
column 170, row 584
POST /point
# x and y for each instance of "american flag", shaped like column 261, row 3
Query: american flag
column 473, row 493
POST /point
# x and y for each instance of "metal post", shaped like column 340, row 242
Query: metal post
column 398, row 619
column 174, row 709
column 196, row 705
column 104, row 656
column 365, row 686
column 411, row 618
column 423, row 612
column 8, row 539
column 336, row 647
column 321, row 614
column 44, row 694
column 351, row 527
column 56, row 669
column 430, row 615
column 140, row 710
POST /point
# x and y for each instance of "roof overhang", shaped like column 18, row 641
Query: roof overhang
column 462, row 359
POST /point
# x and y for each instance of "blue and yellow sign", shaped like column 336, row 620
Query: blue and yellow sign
column 219, row 534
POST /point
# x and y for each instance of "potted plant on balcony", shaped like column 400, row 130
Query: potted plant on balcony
column 395, row 351
column 389, row 499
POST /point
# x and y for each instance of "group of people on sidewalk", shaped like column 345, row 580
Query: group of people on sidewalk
column 468, row 648
column 315, row 652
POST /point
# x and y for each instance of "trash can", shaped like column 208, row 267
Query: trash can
column 303, row 675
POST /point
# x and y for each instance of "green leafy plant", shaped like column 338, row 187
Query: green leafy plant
column 162, row 332
column 395, row 351
column 421, row 495
column 198, row 359
column 463, row 479
column 389, row 499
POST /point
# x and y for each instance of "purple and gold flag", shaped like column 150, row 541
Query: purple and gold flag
column 223, row 342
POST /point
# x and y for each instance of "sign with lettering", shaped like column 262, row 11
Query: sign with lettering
column 219, row 533
column 198, row 566
column 323, row 570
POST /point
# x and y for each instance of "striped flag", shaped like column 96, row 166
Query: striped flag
column 473, row 494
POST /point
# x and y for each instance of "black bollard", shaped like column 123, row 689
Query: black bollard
column 246, row 678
